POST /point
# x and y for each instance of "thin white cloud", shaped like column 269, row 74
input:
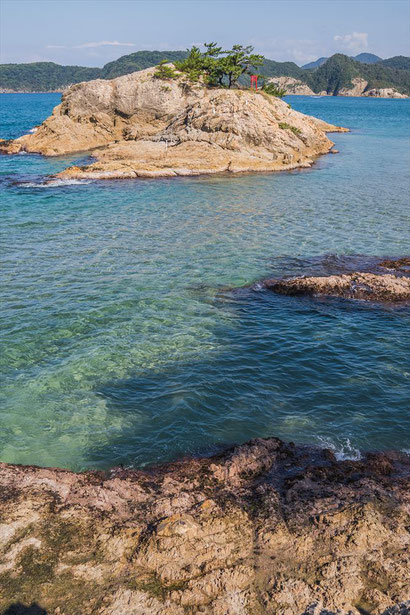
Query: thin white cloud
column 103, row 44
column 354, row 42
column 56, row 47
column 299, row 51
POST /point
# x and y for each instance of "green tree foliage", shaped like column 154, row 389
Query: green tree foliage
column 336, row 73
column 400, row 62
column 219, row 67
column 194, row 65
column 43, row 76
column 239, row 61
column 273, row 90
column 165, row 71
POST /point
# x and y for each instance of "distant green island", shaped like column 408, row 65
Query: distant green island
column 331, row 75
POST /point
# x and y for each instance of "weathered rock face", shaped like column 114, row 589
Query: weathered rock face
column 365, row 286
column 296, row 87
column 368, row 286
column 149, row 127
column 95, row 113
column 264, row 529
column 293, row 86
column 384, row 93
column 359, row 89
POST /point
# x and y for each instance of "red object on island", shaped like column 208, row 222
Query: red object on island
column 254, row 81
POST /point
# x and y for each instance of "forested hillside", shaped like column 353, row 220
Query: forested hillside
column 339, row 71
column 43, row 76
column 331, row 76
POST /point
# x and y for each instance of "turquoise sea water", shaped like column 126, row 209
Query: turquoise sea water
column 122, row 339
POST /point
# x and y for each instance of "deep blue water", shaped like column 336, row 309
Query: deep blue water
column 123, row 341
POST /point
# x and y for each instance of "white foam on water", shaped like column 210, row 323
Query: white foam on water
column 343, row 449
column 406, row 451
column 54, row 183
column 68, row 182
column 33, row 129
column 259, row 287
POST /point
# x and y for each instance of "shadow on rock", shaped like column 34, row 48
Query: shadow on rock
column 20, row 609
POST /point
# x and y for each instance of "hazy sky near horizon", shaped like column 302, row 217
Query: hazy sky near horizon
column 93, row 32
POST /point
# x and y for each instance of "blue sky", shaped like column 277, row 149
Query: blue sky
column 93, row 32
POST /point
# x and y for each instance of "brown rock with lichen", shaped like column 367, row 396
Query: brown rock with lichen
column 368, row 286
column 265, row 528
column 141, row 126
column 365, row 286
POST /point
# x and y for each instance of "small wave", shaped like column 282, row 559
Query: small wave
column 406, row 451
column 68, row 182
column 258, row 286
column 342, row 449
column 54, row 183
column 33, row 129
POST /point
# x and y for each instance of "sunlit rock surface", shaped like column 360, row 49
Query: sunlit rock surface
column 266, row 528
column 390, row 282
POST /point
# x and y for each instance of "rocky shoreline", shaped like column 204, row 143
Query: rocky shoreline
column 296, row 87
column 265, row 528
column 139, row 125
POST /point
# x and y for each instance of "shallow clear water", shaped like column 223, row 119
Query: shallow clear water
column 122, row 341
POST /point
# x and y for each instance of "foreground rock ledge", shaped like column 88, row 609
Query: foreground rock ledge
column 367, row 286
column 266, row 528
column 140, row 126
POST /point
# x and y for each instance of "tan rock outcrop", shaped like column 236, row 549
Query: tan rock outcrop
column 384, row 93
column 140, row 126
column 359, row 86
column 364, row 286
column 376, row 285
column 292, row 86
column 266, row 528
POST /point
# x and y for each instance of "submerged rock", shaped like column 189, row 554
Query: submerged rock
column 266, row 528
column 368, row 286
column 141, row 126
column 398, row 264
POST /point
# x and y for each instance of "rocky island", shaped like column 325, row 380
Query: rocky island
column 140, row 125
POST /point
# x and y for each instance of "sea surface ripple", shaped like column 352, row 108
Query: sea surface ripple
column 124, row 339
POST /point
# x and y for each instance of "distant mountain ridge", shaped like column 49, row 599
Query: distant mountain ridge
column 331, row 75
column 366, row 58
column 315, row 64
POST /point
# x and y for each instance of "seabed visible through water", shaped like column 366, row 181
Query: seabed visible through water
column 123, row 342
